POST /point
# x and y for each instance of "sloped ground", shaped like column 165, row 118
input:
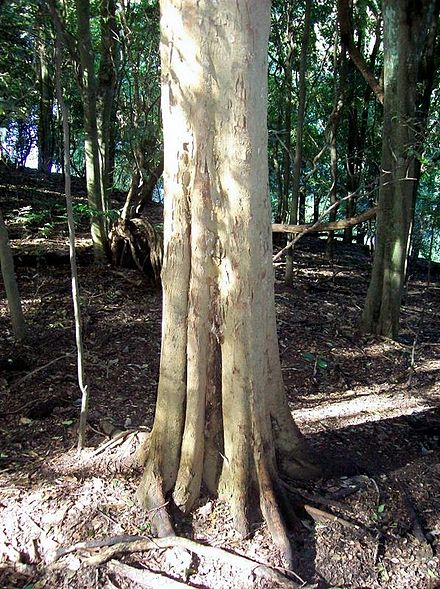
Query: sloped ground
column 369, row 407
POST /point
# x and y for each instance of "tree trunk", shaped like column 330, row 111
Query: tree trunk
column 46, row 131
column 10, row 281
column 107, row 78
column 88, row 89
column 406, row 30
column 352, row 181
column 222, row 419
column 357, row 133
column 287, row 144
column 72, row 255
column 340, row 70
column 333, row 194
column 297, row 164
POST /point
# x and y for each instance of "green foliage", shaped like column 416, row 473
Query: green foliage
column 45, row 216
column 318, row 361
column 18, row 94
column 138, row 113
column 137, row 134
column 378, row 514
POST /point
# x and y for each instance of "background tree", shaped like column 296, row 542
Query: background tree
column 10, row 281
column 44, row 67
column 97, row 93
column 406, row 31
column 300, row 124
column 139, row 104
column 18, row 93
column 220, row 383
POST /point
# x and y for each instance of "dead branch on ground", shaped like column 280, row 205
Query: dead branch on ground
column 130, row 544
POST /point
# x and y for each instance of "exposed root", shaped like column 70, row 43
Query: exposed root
column 240, row 520
column 150, row 496
column 271, row 511
column 135, row 242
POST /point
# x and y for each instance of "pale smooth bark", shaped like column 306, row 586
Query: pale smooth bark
column 221, row 418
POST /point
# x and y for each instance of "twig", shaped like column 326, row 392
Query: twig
column 94, row 544
column 416, row 524
column 39, row 369
column 320, row 514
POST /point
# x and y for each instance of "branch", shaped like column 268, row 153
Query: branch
column 29, row 374
column 144, row 577
column 333, row 226
column 318, row 226
column 356, row 56
column 67, row 38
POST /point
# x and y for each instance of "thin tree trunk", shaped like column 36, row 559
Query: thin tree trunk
column 297, row 164
column 287, row 144
column 357, row 133
column 333, row 194
column 91, row 138
column 73, row 267
column 46, row 131
column 339, row 94
column 353, row 51
column 107, row 79
column 10, row 282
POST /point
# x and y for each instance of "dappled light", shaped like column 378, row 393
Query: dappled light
column 219, row 294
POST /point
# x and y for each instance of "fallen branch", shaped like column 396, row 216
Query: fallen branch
column 302, row 230
column 130, row 544
column 319, row 514
column 39, row 369
column 93, row 545
column 119, row 437
column 416, row 523
column 145, row 577
column 333, row 226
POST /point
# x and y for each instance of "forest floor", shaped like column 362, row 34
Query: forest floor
column 368, row 406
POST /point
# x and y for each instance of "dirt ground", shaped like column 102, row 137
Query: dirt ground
column 369, row 408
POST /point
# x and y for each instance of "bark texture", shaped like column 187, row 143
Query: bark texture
column 406, row 32
column 222, row 419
